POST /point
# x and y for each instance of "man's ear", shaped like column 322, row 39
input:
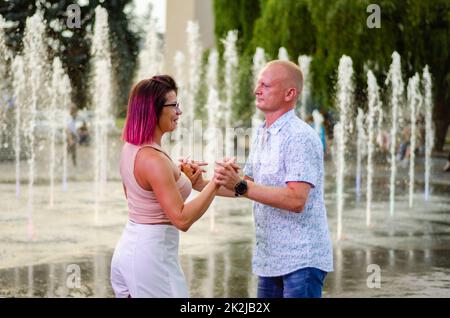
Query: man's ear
column 291, row 93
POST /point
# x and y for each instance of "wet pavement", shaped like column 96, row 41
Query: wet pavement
column 412, row 253
column 404, row 273
column 70, row 254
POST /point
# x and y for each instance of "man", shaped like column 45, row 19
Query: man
column 284, row 175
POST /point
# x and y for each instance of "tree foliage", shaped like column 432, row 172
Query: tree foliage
column 74, row 43
column 418, row 30
column 274, row 28
column 237, row 15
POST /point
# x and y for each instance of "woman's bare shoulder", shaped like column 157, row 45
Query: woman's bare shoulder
column 153, row 163
column 150, row 156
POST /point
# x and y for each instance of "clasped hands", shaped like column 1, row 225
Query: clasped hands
column 226, row 172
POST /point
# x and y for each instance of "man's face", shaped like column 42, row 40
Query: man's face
column 270, row 90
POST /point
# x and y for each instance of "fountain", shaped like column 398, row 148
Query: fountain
column 318, row 121
column 58, row 73
column 304, row 62
column 414, row 102
column 394, row 79
column 190, row 85
column 213, row 135
column 150, row 59
column 176, row 137
column 259, row 60
column 36, row 61
column 179, row 61
column 360, row 150
column 283, row 54
column 5, row 89
column 429, row 132
column 194, row 59
column 102, row 101
column 231, row 82
column 374, row 109
column 344, row 99
column 19, row 93
column 65, row 89
column 58, row 116
column 5, row 53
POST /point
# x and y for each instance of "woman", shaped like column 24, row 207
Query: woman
column 145, row 261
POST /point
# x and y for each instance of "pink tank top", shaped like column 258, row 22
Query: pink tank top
column 143, row 206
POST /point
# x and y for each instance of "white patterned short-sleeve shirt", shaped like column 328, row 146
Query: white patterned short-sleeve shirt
column 289, row 150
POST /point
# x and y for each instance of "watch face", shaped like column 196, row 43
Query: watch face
column 241, row 188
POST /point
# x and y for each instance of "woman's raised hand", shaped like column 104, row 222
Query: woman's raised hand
column 193, row 170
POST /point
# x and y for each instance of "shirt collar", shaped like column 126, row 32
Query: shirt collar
column 279, row 123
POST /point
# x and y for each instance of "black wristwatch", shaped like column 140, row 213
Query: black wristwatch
column 240, row 188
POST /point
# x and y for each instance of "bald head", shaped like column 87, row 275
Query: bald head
column 291, row 73
column 278, row 87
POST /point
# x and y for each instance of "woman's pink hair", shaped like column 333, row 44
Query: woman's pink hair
column 147, row 98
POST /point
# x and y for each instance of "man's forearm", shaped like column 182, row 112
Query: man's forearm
column 281, row 198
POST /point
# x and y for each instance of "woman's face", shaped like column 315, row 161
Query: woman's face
column 168, row 120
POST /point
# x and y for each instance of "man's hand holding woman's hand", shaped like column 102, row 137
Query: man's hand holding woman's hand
column 226, row 173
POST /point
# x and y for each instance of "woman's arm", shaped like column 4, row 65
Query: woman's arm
column 223, row 192
column 158, row 171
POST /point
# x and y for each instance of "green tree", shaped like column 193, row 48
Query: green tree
column 235, row 15
column 417, row 30
column 426, row 40
column 238, row 15
column 124, row 47
column 284, row 23
column 74, row 48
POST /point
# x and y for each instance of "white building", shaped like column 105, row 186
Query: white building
column 178, row 13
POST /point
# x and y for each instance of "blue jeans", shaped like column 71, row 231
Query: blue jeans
column 303, row 283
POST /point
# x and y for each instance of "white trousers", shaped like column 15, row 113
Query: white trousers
column 145, row 263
